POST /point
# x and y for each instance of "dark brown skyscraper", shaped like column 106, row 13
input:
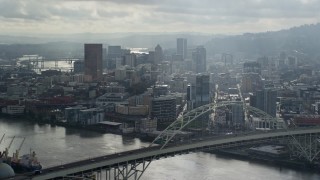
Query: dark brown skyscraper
column 93, row 60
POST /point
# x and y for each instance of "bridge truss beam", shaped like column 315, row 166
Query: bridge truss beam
column 177, row 126
column 305, row 146
column 124, row 171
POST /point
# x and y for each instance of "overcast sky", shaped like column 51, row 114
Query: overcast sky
column 105, row 16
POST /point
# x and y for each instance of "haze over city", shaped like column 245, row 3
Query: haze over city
column 109, row 16
column 206, row 89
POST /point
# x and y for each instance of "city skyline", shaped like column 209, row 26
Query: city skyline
column 99, row 89
column 97, row 16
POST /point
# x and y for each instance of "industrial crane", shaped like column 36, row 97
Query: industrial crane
column 16, row 155
column 6, row 151
column 1, row 154
column 2, row 138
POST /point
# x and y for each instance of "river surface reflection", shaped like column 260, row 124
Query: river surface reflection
column 56, row 145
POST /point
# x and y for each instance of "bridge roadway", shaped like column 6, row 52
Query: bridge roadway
column 154, row 152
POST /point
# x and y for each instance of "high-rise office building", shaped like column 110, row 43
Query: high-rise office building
column 93, row 60
column 151, row 57
column 78, row 67
column 263, row 61
column 130, row 60
column 265, row 100
column 160, row 90
column 251, row 82
column 199, row 58
column 113, row 57
column 282, row 59
column 202, row 90
column 182, row 47
column 252, row 67
column 158, row 54
column 191, row 96
column 164, row 110
column 114, row 51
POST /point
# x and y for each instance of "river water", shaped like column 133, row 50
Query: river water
column 56, row 145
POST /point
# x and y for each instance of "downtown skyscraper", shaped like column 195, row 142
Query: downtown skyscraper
column 182, row 47
column 93, row 61
column 202, row 90
column 265, row 100
column 199, row 58
column 158, row 54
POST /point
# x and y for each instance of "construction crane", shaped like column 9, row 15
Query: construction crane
column 1, row 154
column 2, row 138
column 16, row 155
column 6, row 151
column 11, row 142
column 21, row 144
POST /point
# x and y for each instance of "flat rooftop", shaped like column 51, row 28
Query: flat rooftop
column 110, row 123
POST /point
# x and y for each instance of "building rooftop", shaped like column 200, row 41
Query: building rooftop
column 110, row 123
column 91, row 110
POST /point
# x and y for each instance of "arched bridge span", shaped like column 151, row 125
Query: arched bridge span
column 132, row 164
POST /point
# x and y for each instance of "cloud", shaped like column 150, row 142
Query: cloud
column 213, row 16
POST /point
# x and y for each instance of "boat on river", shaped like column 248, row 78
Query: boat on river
column 25, row 163
column 20, row 164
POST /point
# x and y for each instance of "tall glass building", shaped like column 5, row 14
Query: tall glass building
column 202, row 90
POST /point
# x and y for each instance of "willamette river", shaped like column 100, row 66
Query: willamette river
column 56, row 145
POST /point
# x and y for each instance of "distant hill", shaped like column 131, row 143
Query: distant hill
column 52, row 46
column 55, row 46
column 303, row 40
column 146, row 40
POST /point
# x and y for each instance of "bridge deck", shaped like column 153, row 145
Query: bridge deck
column 154, row 152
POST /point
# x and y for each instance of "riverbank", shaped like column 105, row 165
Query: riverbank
column 93, row 128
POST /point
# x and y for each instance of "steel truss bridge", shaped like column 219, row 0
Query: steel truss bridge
column 304, row 143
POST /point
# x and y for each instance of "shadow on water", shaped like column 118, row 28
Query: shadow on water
column 82, row 133
column 15, row 122
column 126, row 139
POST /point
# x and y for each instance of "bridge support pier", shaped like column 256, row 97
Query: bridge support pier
column 132, row 170
column 305, row 146
column 129, row 170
